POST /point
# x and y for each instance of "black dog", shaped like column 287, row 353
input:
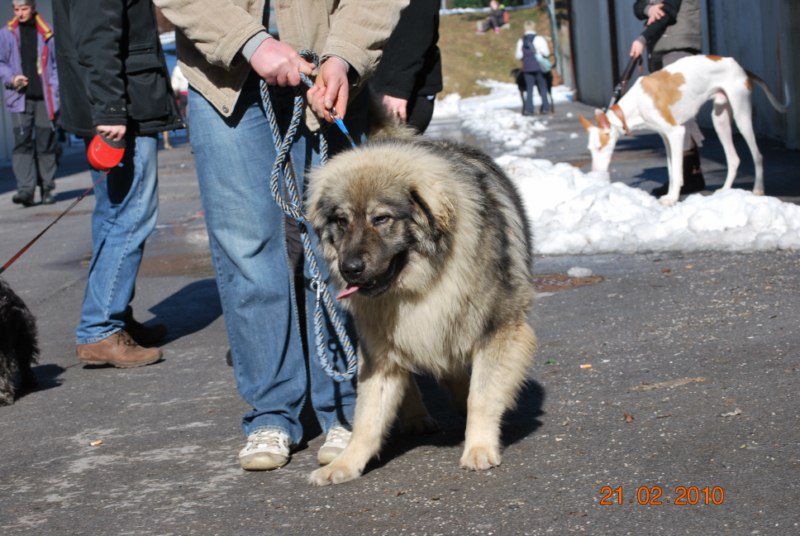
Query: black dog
column 18, row 345
column 519, row 79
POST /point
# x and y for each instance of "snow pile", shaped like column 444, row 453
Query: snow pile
column 501, row 95
column 576, row 213
column 489, row 116
column 510, row 130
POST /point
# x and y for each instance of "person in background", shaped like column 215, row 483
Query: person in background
column 30, row 82
column 224, row 50
column 114, row 82
column 533, row 50
column 410, row 72
column 673, row 31
column 496, row 19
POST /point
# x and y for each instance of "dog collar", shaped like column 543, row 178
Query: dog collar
column 621, row 116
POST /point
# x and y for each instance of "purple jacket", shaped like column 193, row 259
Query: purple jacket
column 11, row 65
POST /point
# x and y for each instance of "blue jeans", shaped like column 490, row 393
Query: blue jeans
column 125, row 212
column 247, row 235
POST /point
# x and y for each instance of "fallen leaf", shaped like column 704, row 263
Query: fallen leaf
column 666, row 271
column 628, row 417
column 586, row 366
column 96, row 443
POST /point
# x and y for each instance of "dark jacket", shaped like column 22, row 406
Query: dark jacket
column 111, row 67
column 679, row 30
column 411, row 63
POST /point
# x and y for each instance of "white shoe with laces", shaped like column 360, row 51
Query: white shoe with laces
column 265, row 450
column 337, row 439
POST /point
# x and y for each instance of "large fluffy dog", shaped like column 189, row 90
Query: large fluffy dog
column 431, row 243
column 18, row 346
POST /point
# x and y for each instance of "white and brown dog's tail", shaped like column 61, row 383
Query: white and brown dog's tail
column 782, row 107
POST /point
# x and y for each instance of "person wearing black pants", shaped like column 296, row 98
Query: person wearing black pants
column 30, row 94
column 673, row 31
column 410, row 73
column 528, row 48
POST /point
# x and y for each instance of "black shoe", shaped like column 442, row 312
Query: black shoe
column 229, row 358
column 48, row 198
column 145, row 335
column 22, row 199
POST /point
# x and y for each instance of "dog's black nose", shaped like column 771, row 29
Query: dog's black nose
column 353, row 268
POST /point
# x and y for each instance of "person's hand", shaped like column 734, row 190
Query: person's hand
column 331, row 89
column 279, row 64
column 19, row 81
column 655, row 13
column 112, row 132
column 395, row 107
column 637, row 48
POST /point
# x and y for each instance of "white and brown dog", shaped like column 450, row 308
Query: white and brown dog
column 665, row 100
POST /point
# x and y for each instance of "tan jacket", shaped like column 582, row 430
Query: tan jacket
column 212, row 32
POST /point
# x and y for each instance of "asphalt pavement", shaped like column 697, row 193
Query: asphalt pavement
column 661, row 379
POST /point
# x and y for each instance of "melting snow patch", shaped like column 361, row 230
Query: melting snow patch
column 577, row 271
column 576, row 213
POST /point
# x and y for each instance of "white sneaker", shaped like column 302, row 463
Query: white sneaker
column 337, row 439
column 266, row 449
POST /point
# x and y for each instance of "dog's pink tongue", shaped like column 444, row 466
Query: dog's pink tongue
column 352, row 289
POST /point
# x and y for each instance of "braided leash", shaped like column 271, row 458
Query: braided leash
column 292, row 207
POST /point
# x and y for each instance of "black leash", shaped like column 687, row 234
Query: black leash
column 622, row 85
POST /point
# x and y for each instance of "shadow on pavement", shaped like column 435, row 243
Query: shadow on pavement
column 189, row 310
column 70, row 194
column 47, row 377
column 517, row 424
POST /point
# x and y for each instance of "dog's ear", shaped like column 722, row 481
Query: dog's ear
column 602, row 119
column 585, row 122
column 432, row 208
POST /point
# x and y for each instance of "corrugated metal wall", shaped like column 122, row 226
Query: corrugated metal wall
column 764, row 36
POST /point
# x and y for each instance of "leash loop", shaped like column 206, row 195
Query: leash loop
column 291, row 204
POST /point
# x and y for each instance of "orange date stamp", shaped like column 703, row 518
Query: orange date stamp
column 655, row 496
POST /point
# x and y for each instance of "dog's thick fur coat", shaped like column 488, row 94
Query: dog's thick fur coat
column 18, row 345
column 434, row 237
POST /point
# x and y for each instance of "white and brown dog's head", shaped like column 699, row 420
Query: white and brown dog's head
column 383, row 216
column 602, row 140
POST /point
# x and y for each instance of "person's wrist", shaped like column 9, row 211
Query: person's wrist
column 253, row 43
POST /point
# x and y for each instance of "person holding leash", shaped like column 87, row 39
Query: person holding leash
column 224, row 51
column 673, row 31
column 30, row 82
column 114, row 82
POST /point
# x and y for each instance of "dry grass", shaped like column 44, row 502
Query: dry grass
column 467, row 57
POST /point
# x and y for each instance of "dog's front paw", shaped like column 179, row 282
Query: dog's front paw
column 758, row 192
column 336, row 472
column 668, row 201
column 420, row 425
column 480, row 458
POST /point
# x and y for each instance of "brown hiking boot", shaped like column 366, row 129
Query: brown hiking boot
column 118, row 350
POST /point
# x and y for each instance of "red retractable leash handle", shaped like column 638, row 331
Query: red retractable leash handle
column 104, row 155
